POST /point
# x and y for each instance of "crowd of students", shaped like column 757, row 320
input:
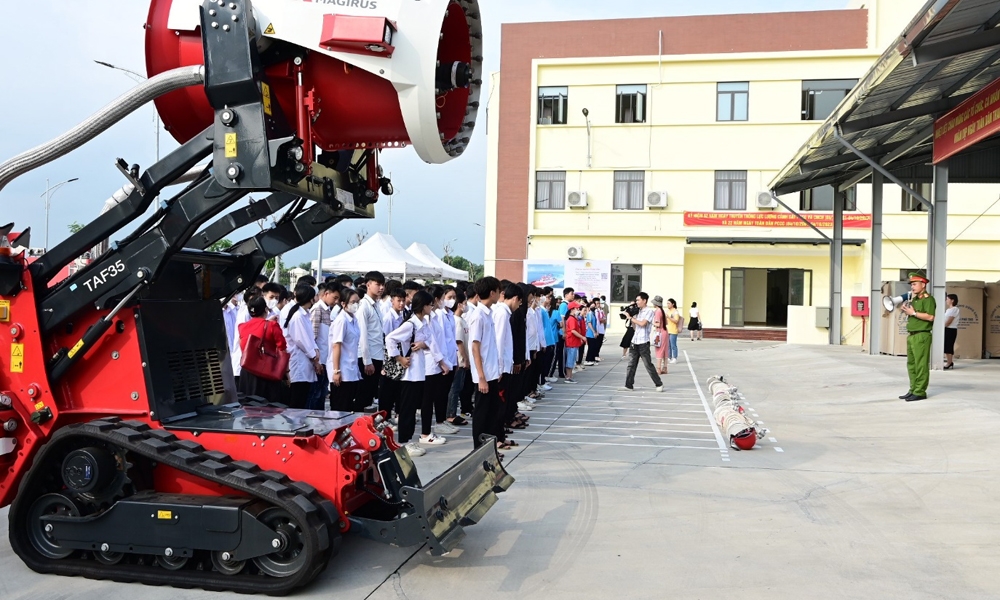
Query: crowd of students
column 480, row 352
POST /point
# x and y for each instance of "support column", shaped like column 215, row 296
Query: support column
column 837, row 267
column 938, row 272
column 875, row 302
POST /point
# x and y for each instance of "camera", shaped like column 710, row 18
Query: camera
column 628, row 311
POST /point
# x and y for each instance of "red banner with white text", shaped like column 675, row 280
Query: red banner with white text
column 772, row 220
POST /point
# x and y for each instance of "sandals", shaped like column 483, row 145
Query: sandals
column 458, row 421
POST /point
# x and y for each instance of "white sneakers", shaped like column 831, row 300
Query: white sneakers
column 659, row 388
column 672, row 361
column 432, row 440
column 445, row 427
column 415, row 450
column 544, row 388
column 524, row 406
column 552, row 379
column 589, row 363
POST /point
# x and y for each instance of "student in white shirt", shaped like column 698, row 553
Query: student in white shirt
column 303, row 361
column 694, row 323
column 242, row 316
column 345, row 376
column 461, row 386
column 436, row 368
column 406, row 345
column 485, row 362
column 371, row 348
column 392, row 318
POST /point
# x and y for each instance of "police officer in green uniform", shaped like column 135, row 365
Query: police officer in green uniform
column 921, row 309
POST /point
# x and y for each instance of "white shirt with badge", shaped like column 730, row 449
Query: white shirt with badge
column 344, row 331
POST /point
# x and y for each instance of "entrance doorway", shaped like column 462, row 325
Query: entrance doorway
column 761, row 297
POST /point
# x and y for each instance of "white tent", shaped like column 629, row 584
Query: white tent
column 425, row 254
column 381, row 253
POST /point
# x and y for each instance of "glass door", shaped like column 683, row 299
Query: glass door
column 799, row 287
column 733, row 292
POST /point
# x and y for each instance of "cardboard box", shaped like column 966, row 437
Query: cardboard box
column 892, row 334
column 991, row 320
column 969, row 343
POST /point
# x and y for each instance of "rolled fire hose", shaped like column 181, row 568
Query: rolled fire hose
column 101, row 121
column 742, row 431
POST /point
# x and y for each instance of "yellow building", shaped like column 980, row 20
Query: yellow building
column 591, row 123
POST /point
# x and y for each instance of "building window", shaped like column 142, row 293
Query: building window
column 550, row 190
column 629, row 188
column 630, row 106
column 732, row 100
column 821, row 96
column 626, row 283
column 911, row 204
column 730, row 190
column 552, row 105
column 821, row 198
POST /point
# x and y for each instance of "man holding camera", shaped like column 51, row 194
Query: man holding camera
column 642, row 322
column 921, row 309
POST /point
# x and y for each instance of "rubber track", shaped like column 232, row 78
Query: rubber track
column 317, row 515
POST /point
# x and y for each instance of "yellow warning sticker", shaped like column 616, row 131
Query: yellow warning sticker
column 230, row 145
column 39, row 405
column 164, row 514
column 75, row 349
column 265, row 92
column 5, row 309
column 17, row 358
column 269, row 30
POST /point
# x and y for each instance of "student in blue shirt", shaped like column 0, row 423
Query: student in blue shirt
column 591, row 320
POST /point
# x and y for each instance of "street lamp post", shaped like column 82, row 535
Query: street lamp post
column 49, row 190
column 137, row 78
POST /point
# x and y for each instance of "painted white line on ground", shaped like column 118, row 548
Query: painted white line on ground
column 621, row 422
column 778, row 450
column 773, row 440
column 634, row 437
column 708, row 411
column 640, row 409
column 538, row 412
column 651, row 446
column 605, row 427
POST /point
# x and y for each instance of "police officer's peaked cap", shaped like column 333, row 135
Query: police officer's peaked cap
column 918, row 276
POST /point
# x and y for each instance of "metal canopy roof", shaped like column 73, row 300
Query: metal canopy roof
column 948, row 52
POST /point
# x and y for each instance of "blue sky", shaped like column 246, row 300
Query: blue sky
column 51, row 83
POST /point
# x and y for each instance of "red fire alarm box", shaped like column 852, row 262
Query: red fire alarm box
column 859, row 306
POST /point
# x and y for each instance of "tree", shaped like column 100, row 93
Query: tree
column 220, row 246
column 474, row 270
column 74, row 227
column 359, row 239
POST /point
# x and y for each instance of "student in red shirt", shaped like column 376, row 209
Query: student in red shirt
column 576, row 335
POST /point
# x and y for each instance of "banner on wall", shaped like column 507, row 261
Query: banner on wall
column 772, row 220
column 590, row 277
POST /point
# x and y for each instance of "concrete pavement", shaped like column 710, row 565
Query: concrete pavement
column 855, row 494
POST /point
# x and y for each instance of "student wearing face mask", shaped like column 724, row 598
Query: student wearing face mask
column 303, row 361
column 406, row 345
column 345, row 376
column 272, row 296
column 436, row 368
column 446, row 315
column 392, row 319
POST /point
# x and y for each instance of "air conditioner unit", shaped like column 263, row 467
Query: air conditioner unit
column 577, row 199
column 574, row 253
column 766, row 200
column 656, row 200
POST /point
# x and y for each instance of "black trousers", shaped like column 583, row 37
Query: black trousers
column 591, row 349
column 298, row 394
column 467, row 393
column 950, row 335
column 368, row 390
column 636, row 352
column 435, row 400
column 411, row 396
column 560, row 358
column 544, row 364
column 343, row 397
column 600, row 344
column 485, row 415
column 388, row 395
